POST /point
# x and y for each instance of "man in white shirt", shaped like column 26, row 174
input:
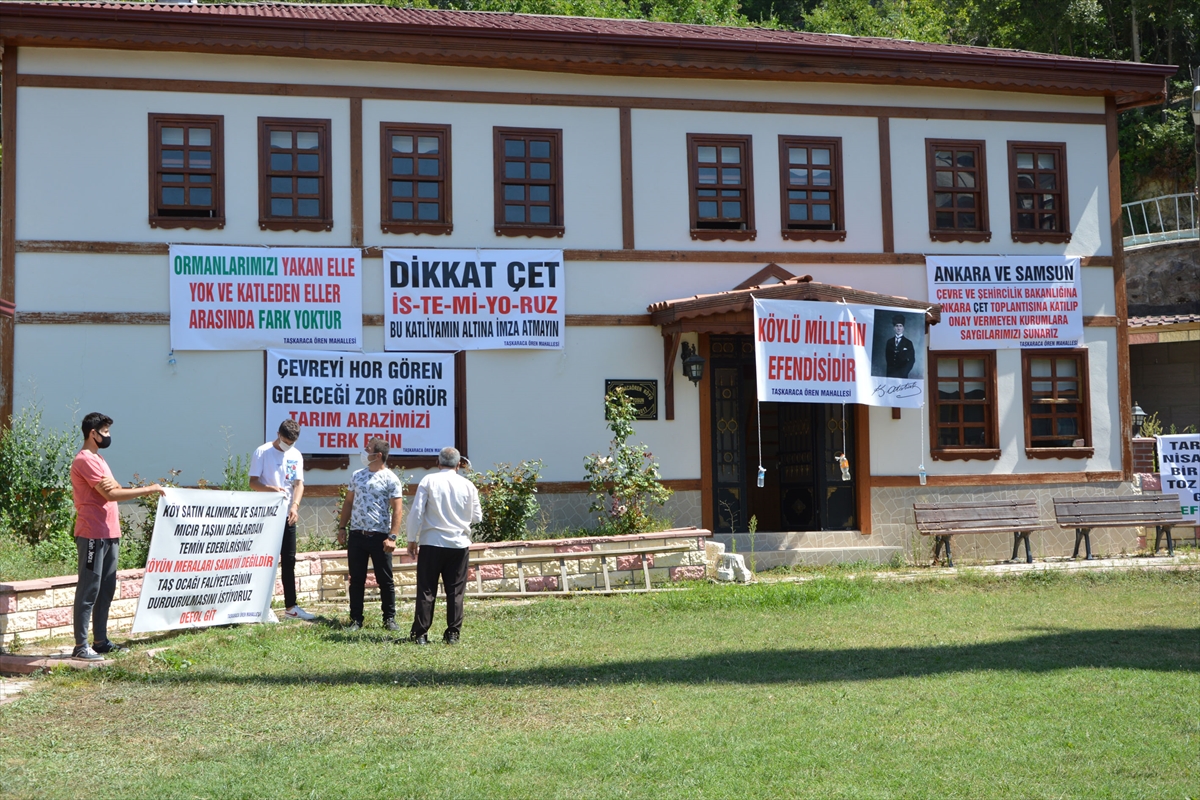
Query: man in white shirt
column 277, row 466
column 439, row 535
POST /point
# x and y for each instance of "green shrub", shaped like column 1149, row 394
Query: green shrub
column 135, row 539
column 35, row 478
column 625, row 483
column 508, row 496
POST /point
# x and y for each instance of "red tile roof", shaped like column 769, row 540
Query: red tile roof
column 1166, row 319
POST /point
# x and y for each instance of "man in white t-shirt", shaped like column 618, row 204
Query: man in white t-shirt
column 277, row 466
column 368, row 527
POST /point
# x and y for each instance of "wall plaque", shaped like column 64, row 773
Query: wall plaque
column 644, row 395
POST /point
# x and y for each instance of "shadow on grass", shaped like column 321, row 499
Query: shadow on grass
column 1153, row 649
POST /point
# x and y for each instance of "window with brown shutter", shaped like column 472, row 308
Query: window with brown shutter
column 1037, row 175
column 293, row 168
column 962, row 415
column 187, row 170
column 528, row 182
column 721, row 187
column 415, row 164
column 957, row 180
column 1057, row 415
column 810, row 186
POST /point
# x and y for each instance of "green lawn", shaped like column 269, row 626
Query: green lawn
column 1046, row 686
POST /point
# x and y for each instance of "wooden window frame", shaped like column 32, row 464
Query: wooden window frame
column 1063, row 234
column 388, row 225
column 1085, row 402
column 838, row 232
column 695, row 140
column 981, row 233
column 556, row 227
column 271, row 222
column 991, row 450
column 217, row 124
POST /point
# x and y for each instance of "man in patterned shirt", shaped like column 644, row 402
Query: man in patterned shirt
column 372, row 512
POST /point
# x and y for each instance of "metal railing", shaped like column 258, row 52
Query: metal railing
column 1160, row 219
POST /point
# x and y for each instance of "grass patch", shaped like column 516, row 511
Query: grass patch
column 1079, row 686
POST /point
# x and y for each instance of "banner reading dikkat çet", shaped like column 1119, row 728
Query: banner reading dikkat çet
column 212, row 559
column 252, row 298
column 473, row 299
column 1179, row 471
column 1005, row 302
column 809, row 352
column 343, row 400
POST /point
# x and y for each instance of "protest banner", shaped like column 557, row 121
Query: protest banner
column 252, row 298
column 212, row 559
column 343, row 400
column 473, row 299
column 808, row 352
column 1179, row 470
column 1005, row 302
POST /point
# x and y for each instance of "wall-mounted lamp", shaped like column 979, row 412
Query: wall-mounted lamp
column 1139, row 416
column 693, row 364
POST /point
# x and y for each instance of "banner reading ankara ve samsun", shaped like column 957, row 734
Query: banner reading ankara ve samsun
column 473, row 299
column 343, row 400
column 252, row 298
column 212, row 559
column 808, row 352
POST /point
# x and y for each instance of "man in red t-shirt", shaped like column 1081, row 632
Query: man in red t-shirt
column 97, row 536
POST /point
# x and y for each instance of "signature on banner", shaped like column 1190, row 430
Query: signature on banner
column 899, row 390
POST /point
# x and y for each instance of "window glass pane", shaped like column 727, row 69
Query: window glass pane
column 947, row 367
column 966, row 180
column 822, row 177
column 708, row 209
column 308, row 162
column 731, row 175
column 972, row 413
column 308, row 208
column 1049, row 221
column 308, row 185
column 427, row 212
column 965, row 158
column 514, row 213
column 1047, row 202
column 820, row 156
column 798, row 176
column 1047, row 180
column 707, row 192
column 539, row 215
column 1040, row 427
column 172, row 159
column 943, row 178
column 402, row 144
column 974, row 367
column 281, row 185
column 966, row 221
column 402, row 166
column 947, row 413
column 942, row 158
column 427, row 144
column 798, row 212
column 1024, row 160
column 706, row 155
column 514, row 193
column 514, row 169
column 821, row 212
column 966, row 200
column 1067, row 426
column 539, row 149
column 707, row 175
column 199, row 196
column 402, row 211
column 794, row 195
column 943, row 199
column 945, row 219
column 1045, row 160
column 540, row 194
column 1025, row 221
column 539, row 171
column 402, row 189
column 172, row 195
column 1024, row 180
column 1065, row 367
column 281, row 162
column 200, row 159
column 172, row 136
column 427, row 166
column 1068, row 389
column 948, row 391
column 797, row 155
column 1024, row 201
column 973, row 390
column 514, row 148
column 281, row 139
column 731, row 209
column 199, row 178
column 200, row 137
column 427, row 189
column 731, row 155
column 974, row 437
column 307, row 140
column 281, row 206
column 170, row 178
column 1041, row 388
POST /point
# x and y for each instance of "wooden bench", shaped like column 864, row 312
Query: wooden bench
column 1127, row 511
column 943, row 520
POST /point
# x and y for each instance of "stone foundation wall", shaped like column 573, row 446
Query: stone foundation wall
column 42, row 608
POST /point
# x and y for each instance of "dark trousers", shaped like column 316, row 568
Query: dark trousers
column 287, row 565
column 96, row 586
column 450, row 563
column 361, row 546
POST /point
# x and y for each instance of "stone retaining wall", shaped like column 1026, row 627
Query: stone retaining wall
column 42, row 608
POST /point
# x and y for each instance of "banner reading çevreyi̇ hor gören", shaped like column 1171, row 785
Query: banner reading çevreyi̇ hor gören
column 343, row 400
column 808, row 352
column 252, row 298
column 473, row 299
column 212, row 559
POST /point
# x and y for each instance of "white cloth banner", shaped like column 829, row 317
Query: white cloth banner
column 473, row 299
column 1005, row 302
column 343, row 400
column 809, row 352
column 252, row 298
column 212, row 559
column 1179, row 471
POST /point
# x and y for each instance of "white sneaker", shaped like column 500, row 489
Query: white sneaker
column 296, row 612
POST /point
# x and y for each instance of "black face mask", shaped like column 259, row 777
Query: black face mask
column 104, row 442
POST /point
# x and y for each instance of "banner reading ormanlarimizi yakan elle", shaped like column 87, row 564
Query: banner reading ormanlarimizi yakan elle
column 212, row 559
column 252, row 298
column 1005, row 302
column 343, row 400
column 808, row 352
column 1179, row 471
column 473, row 299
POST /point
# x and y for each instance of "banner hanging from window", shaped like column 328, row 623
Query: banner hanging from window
column 1179, row 471
column 808, row 352
column 252, row 298
column 212, row 559
column 343, row 400
column 1005, row 302
column 473, row 299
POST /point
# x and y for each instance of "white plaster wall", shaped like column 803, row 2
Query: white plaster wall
column 196, row 66
column 1087, row 185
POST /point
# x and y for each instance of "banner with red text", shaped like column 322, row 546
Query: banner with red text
column 808, row 352
column 212, row 559
column 343, row 400
column 473, row 299
column 1005, row 302
column 252, row 298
